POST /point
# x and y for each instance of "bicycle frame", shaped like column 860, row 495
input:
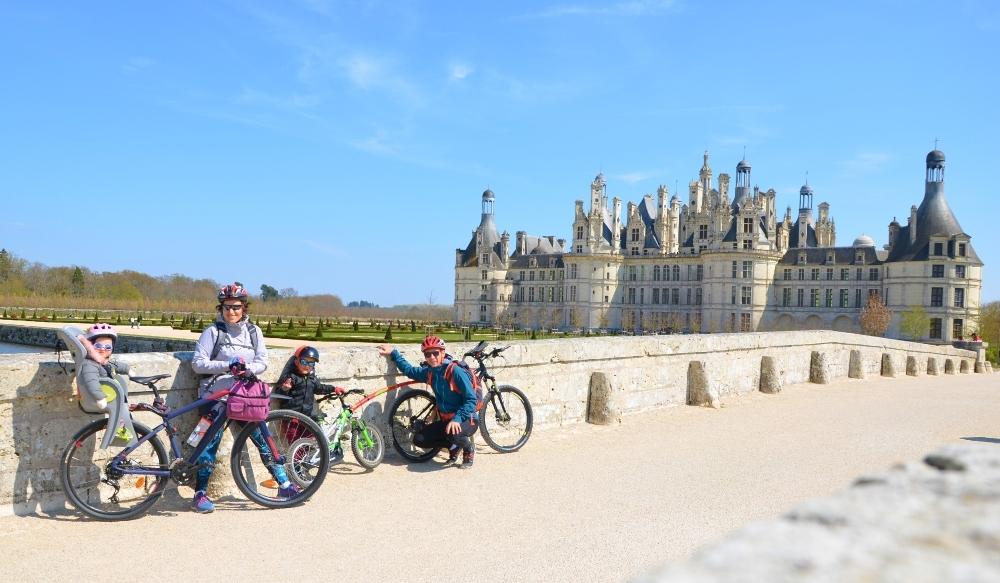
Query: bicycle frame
column 175, row 444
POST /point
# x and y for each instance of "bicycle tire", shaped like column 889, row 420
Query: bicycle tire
column 506, row 419
column 411, row 406
column 368, row 457
column 286, row 427
column 82, row 495
column 304, row 456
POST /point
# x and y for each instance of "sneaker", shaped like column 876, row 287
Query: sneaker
column 201, row 503
column 467, row 458
column 336, row 454
column 452, row 454
column 290, row 491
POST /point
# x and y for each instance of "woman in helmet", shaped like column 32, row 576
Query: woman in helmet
column 456, row 400
column 99, row 365
column 298, row 382
column 231, row 343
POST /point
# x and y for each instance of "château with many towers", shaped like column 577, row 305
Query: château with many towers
column 720, row 264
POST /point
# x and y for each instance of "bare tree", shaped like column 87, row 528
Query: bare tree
column 875, row 317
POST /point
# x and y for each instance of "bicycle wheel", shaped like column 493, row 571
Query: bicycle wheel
column 273, row 458
column 413, row 410
column 304, row 458
column 505, row 420
column 105, row 494
column 368, row 445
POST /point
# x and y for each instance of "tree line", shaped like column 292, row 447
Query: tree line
column 34, row 285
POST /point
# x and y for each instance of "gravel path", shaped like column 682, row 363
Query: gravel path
column 581, row 503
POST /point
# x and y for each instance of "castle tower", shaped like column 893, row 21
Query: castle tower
column 742, row 181
column 805, row 215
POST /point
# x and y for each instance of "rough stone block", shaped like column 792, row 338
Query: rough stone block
column 964, row 367
column 888, row 368
column 602, row 406
column 819, row 371
column 700, row 391
column 932, row 366
column 989, row 367
column 856, row 368
column 770, row 378
column 949, row 366
column 911, row 366
column 980, row 367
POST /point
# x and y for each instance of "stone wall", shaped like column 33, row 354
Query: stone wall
column 38, row 415
column 933, row 520
column 46, row 338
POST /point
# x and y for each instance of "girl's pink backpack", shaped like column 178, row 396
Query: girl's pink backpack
column 249, row 400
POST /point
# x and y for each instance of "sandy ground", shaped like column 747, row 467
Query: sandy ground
column 581, row 503
column 168, row 332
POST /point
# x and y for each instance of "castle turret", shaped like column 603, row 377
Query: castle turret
column 616, row 226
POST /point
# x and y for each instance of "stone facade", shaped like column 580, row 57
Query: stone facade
column 716, row 264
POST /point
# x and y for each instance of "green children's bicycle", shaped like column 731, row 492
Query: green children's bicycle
column 367, row 442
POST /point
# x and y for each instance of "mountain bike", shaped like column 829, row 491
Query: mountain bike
column 123, row 482
column 505, row 419
column 367, row 442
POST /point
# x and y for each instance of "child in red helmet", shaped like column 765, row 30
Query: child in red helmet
column 456, row 400
column 298, row 382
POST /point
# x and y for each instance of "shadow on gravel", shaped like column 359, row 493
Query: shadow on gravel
column 983, row 439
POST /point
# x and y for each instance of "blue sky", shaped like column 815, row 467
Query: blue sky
column 342, row 147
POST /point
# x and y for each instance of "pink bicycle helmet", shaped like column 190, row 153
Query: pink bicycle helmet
column 98, row 330
column 234, row 291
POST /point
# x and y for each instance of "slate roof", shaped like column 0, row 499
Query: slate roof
column 934, row 218
column 841, row 256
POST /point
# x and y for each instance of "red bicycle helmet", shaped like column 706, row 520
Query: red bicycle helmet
column 234, row 291
column 432, row 343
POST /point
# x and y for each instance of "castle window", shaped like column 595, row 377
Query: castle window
column 688, row 300
column 579, row 248
column 735, row 269
column 956, row 329
column 485, row 275
column 642, row 295
column 939, row 248
column 859, row 257
column 635, row 235
column 552, row 294
column 572, row 271
column 815, row 274
column 703, row 231
column 732, row 297
column 959, row 297
column 844, row 298
column 802, row 258
column 579, row 232
column 859, row 275
column 802, row 274
column 631, row 295
column 873, row 273
column 845, row 274
column 677, row 272
column 697, row 296
column 541, row 276
column 937, row 270
column 786, row 297
column 748, row 225
column 572, row 293
column 656, row 295
column 675, row 296
column 747, row 269
column 531, row 276
column 700, row 272
column 935, row 328
column 656, row 274
column 829, row 273
column 745, row 324
column 829, row 298
column 520, row 276
column 486, row 258
column 961, row 249
column 747, row 244
column 829, row 257
column 631, row 273
column 814, row 298
column 552, row 275
column 937, row 297
column 787, row 275
column 745, row 295
column 960, row 271
column 857, row 298
column 531, row 294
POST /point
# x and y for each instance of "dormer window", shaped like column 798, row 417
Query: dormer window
column 859, row 257
column 802, row 258
column 579, row 232
column 938, row 249
column 532, row 262
column 961, row 249
column 829, row 257
column 486, row 259
column 635, row 235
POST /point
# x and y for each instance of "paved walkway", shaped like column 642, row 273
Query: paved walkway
column 581, row 503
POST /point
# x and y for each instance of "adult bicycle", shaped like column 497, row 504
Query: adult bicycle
column 505, row 419
column 367, row 442
column 120, row 483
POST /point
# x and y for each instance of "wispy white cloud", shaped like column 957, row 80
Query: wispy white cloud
column 867, row 161
column 324, row 248
column 459, row 72
column 292, row 102
column 137, row 64
column 633, row 177
column 376, row 144
column 628, row 8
